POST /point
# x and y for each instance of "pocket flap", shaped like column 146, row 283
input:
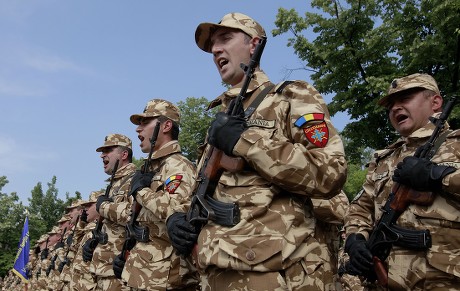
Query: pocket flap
column 253, row 250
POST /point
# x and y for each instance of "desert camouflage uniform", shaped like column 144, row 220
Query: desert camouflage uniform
column 330, row 214
column 273, row 246
column 69, row 254
column 81, row 277
column 153, row 265
column 410, row 269
column 115, row 214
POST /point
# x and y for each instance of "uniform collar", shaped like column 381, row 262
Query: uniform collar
column 259, row 78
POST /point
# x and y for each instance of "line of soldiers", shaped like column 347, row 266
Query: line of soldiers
column 272, row 223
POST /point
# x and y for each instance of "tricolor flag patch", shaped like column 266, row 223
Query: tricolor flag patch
column 317, row 134
column 172, row 183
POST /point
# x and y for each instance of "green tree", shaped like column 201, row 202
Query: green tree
column 195, row 121
column 360, row 46
column 11, row 224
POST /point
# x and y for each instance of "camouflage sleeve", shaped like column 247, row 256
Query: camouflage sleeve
column 117, row 211
column 331, row 210
column 171, row 190
column 304, row 153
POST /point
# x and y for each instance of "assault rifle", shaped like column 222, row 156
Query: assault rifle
column 69, row 244
column 98, row 236
column 386, row 233
column 203, row 206
column 135, row 232
column 52, row 265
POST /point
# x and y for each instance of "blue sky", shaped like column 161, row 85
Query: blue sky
column 72, row 72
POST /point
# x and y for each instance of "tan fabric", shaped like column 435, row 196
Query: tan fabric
column 153, row 265
column 441, row 217
column 285, row 169
column 116, row 215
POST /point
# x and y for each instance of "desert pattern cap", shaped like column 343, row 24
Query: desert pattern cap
column 115, row 140
column 155, row 108
column 408, row 82
column 92, row 197
column 235, row 20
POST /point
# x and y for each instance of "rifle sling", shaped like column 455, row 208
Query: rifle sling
column 251, row 108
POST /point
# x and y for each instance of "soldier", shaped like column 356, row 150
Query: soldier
column 114, row 208
column 81, row 277
column 67, row 253
column 411, row 102
column 152, row 263
column 292, row 153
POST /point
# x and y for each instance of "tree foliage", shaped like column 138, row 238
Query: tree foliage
column 195, row 120
column 360, row 46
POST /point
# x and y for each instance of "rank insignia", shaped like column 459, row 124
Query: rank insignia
column 172, row 183
column 317, row 134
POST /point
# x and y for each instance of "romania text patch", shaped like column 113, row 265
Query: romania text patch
column 172, row 183
column 317, row 134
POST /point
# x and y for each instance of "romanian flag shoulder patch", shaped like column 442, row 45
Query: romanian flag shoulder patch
column 172, row 183
column 318, row 133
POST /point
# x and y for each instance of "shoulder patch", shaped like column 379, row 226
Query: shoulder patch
column 317, row 134
column 172, row 183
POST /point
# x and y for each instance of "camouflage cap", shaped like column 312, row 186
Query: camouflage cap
column 54, row 230
column 92, row 197
column 155, row 108
column 74, row 204
column 43, row 238
column 408, row 82
column 64, row 218
column 235, row 20
column 115, row 139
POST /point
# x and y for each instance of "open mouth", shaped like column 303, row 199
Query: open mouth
column 401, row 118
column 222, row 62
column 140, row 137
column 105, row 162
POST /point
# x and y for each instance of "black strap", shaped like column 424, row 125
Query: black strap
column 248, row 112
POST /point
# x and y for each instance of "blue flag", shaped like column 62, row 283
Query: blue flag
column 22, row 256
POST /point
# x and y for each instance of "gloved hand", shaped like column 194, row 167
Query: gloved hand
column 58, row 245
column 139, row 181
column 118, row 265
column 360, row 256
column 182, row 233
column 61, row 266
column 44, row 254
column 88, row 251
column 225, row 131
column 421, row 174
column 69, row 240
column 84, row 216
column 101, row 199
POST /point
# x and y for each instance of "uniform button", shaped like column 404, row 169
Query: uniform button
column 250, row 255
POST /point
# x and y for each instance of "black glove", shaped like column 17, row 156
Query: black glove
column 225, row 131
column 84, row 216
column 360, row 256
column 61, row 265
column 44, row 254
column 182, row 233
column 118, row 265
column 139, row 181
column 101, row 199
column 421, row 174
column 88, row 251
column 69, row 240
column 58, row 245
